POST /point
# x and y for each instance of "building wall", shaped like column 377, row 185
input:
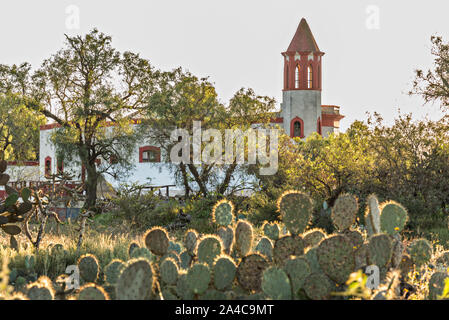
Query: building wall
column 142, row 173
column 305, row 104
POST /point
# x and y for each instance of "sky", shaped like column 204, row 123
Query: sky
column 372, row 47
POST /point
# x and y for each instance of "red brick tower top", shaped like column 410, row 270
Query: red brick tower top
column 302, row 61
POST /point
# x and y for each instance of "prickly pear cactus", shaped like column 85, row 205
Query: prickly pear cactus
column 265, row 247
column 313, row 237
column 226, row 235
column 297, row 269
column 243, row 237
column 222, row 213
column 174, row 246
column 91, row 291
column 436, row 284
column 355, row 237
column 276, row 284
column 393, row 217
column 344, row 211
column 380, row 250
column 131, row 247
column 224, row 271
column 317, row 286
column 420, row 251
column 287, row 246
column 42, row 289
column 209, row 247
column 157, row 241
column 250, row 270
column 336, row 258
column 190, row 241
column 142, row 253
column 89, row 267
column 183, row 289
column 271, row 230
column 198, row 278
column 186, row 259
column 169, row 271
column 296, row 211
column 372, row 215
column 112, row 271
column 136, row 281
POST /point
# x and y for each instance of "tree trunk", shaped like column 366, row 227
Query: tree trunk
column 185, row 179
column 91, row 187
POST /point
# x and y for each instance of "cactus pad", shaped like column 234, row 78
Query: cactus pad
column 393, row 217
column 222, row 213
column 287, row 246
column 317, row 286
column 296, row 211
column 298, row 270
column 198, row 278
column 344, row 211
column 249, row 271
column 271, row 230
column 276, row 284
column 224, row 272
column 156, row 240
column 209, row 247
column 243, row 237
column 91, row 291
column 169, row 271
column 112, row 271
column 420, row 251
column 336, row 258
column 89, row 267
column 136, row 281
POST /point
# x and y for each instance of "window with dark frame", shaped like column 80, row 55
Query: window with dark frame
column 47, row 166
column 149, row 154
column 297, row 129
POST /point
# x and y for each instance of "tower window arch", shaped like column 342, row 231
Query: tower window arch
column 310, row 77
column 297, row 128
column 297, row 76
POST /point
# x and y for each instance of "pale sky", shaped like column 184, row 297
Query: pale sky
column 238, row 43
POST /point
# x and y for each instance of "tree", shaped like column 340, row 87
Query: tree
column 91, row 90
column 434, row 84
column 19, row 129
column 182, row 98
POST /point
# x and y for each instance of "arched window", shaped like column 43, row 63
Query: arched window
column 297, row 129
column 310, row 77
column 297, row 76
column 319, row 126
column 47, row 166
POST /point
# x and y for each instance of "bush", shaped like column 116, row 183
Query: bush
column 142, row 210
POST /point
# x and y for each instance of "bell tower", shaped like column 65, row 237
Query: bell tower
column 301, row 96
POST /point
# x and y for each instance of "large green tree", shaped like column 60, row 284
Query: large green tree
column 180, row 99
column 85, row 87
column 433, row 85
column 19, row 129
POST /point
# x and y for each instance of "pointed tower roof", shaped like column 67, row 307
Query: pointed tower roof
column 303, row 39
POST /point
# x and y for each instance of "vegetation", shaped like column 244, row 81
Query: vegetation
column 342, row 211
